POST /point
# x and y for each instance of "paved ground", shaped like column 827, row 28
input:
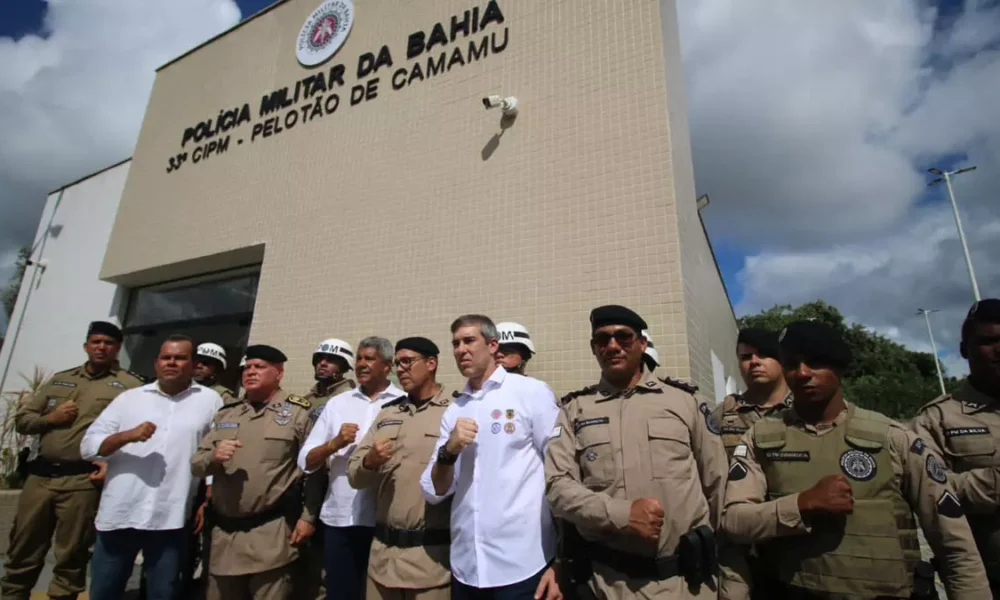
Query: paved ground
column 43, row 582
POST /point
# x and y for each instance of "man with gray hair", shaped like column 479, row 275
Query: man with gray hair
column 348, row 515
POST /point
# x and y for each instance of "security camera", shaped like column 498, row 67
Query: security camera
column 508, row 105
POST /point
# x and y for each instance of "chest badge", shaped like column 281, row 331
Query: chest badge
column 51, row 404
column 858, row 465
column 495, row 428
column 508, row 427
column 495, row 414
column 591, row 455
column 116, row 384
column 510, row 414
column 284, row 416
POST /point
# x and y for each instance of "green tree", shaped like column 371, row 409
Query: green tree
column 884, row 376
column 9, row 293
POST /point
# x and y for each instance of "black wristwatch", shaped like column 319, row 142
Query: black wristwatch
column 446, row 458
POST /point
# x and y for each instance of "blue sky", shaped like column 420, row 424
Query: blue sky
column 812, row 126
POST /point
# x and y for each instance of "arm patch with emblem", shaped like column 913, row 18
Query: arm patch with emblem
column 710, row 422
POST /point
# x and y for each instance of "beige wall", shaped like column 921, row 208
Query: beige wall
column 394, row 216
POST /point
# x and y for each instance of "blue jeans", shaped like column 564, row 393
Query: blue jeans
column 163, row 554
column 346, row 553
column 522, row 590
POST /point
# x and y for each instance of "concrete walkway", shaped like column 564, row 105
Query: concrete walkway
column 41, row 588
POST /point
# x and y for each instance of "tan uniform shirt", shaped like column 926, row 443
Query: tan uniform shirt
column 227, row 394
column 965, row 429
column 750, row 517
column 318, row 400
column 92, row 395
column 254, row 480
column 400, row 504
column 734, row 417
column 609, row 449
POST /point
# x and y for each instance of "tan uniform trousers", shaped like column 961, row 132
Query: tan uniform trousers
column 275, row 584
column 377, row 591
column 42, row 512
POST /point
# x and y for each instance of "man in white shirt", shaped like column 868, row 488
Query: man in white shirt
column 348, row 515
column 148, row 436
column 502, row 537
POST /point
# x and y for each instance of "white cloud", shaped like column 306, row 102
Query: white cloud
column 813, row 124
column 72, row 99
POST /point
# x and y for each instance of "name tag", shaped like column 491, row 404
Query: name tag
column 64, row 384
column 787, row 456
column 578, row 425
column 960, row 431
column 227, row 425
column 388, row 422
column 731, row 429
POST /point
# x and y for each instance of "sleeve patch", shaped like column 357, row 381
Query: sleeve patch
column 737, row 471
column 710, row 422
column 740, row 451
column 917, row 447
column 936, row 469
column 556, row 432
column 949, row 506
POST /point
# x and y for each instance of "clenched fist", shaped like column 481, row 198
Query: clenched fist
column 345, row 437
column 142, row 432
column 225, row 449
column 63, row 414
column 462, row 435
column 646, row 519
column 831, row 495
column 380, row 454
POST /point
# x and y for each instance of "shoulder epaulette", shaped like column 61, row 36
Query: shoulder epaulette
column 232, row 404
column 590, row 389
column 938, row 400
column 299, row 400
column 65, row 371
column 677, row 383
column 141, row 378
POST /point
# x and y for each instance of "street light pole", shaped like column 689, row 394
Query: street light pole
column 946, row 176
column 930, row 332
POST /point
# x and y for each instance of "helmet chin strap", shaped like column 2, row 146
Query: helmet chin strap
column 206, row 380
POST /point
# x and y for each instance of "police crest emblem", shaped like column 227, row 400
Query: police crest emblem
column 858, row 465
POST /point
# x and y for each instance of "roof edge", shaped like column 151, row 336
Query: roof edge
column 715, row 261
column 88, row 176
column 259, row 13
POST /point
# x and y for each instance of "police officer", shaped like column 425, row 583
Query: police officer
column 827, row 490
column 767, row 393
column 650, row 357
column 332, row 361
column 516, row 347
column 634, row 465
column 409, row 555
column 965, row 428
column 210, row 362
column 61, row 492
column 257, row 510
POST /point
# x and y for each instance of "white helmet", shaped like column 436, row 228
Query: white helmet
column 336, row 347
column 212, row 351
column 509, row 332
column 243, row 362
column 651, row 352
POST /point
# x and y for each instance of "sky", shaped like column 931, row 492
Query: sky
column 813, row 124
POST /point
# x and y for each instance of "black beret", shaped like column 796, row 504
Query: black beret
column 418, row 344
column 612, row 314
column 816, row 342
column 264, row 352
column 105, row 328
column 764, row 341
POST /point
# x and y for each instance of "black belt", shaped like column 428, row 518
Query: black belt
column 244, row 524
column 411, row 538
column 49, row 468
column 633, row 565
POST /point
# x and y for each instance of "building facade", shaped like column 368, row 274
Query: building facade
column 274, row 200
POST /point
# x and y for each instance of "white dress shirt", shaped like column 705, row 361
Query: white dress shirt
column 501, row 526
column 149, row 484
column 345, row 506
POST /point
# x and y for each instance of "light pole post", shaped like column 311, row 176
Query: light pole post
column 945, row 176
column 930, row 332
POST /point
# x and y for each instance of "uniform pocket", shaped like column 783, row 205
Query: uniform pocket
column 971, row 446
column 278, row 445
column 669, row 449
column 595, row 454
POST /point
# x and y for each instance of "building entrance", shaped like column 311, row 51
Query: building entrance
column 215, row 308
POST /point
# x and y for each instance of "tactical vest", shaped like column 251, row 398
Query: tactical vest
column 869, row 553
column 733, row 424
